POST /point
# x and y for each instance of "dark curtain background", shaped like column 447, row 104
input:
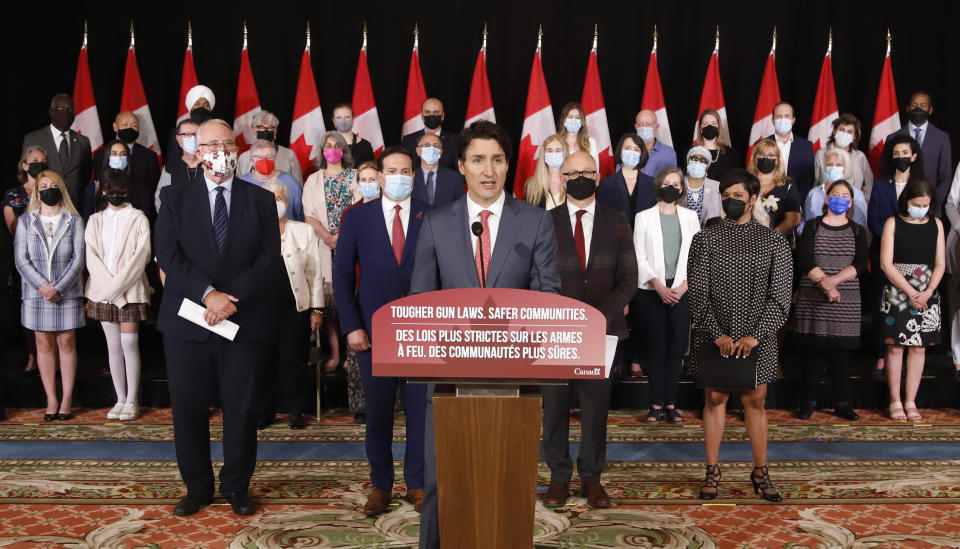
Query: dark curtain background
column 44, row 40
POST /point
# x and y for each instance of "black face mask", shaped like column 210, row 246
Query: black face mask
column 709, row 132
column 918, row 117
column 62, row 120
column 35, row 168
column 268, row 135
column 669, row 194
column 51, row 196
column 432, row 121
column 199, row 115
column 766, row 165
column 581, row 188
column 734, row 208
column 128, row 135
column 116, row 199
column 902, row 163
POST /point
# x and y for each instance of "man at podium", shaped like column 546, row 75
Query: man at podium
column 484, row 239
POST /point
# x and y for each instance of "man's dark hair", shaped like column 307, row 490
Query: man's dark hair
column 483, row 129
column 740, row 175
column 917, row 187
column 921, row 92
column 342, row 105
column 185, row 121
column 396, row 149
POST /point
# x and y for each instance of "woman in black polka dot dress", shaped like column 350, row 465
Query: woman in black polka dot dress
column 740, row 279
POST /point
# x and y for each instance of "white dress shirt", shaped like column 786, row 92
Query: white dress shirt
column 389, row 213
column 116, row 224
column 784, row 149
column 493, row 221
column 57, row 138
column 212, row 193
column 586, row 221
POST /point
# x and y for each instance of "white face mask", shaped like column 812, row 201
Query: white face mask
column 220, row 163
column 190, row 144
column 572, row 125
column 398, row 186
column 645, row 133
column 696, row 169
column 843, row 139
column 833, row 173
column 281, row 208
column 430, row 154
column 553, row 159
column 783, row 125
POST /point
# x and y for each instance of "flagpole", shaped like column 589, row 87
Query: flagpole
column 189, row 36
column 244, row 35
column 308, row 36
column 830, row 42
column 655, row 36
column 594, row 37
column 85, row 35
column 364, row 46
column 716, row 43
column 131, row 34
column 773, row 47
column 539, row 38
column 484, row 46
column 416, row 36
column 889, row 39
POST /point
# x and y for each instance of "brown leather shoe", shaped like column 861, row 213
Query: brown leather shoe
column 415, row 497
column 377, row 503
column 596, row 496
column 556, row 495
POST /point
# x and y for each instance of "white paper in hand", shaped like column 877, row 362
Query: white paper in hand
column 194, row 313
column 610, row 352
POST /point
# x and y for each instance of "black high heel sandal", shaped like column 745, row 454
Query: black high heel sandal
column 711, row 480
column 764, row 486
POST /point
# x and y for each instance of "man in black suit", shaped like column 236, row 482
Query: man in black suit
column 218, row 242
column 68, row 152
column 143, row 163
column 432, row 183
column 796, row 153
column 934, row 145
column 432, row 113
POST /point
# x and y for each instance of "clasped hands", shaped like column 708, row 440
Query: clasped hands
column 48, row 292
column 670, row 296
column 919, row 299
column 220, row 306
column 740, row 348
column 828, row 285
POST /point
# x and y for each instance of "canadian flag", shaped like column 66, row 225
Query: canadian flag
column 366, row 121
column 87, row 121
column 307, row 128
column 766, row 101
column 480, row 104
column 596, row 113
column 886, row 117
column 188, row 79
column 712, row 96
column 538, row 125
column 248, row 102
column 135, row 100
column 825, row 109
column 653, row 98
column 416, row 94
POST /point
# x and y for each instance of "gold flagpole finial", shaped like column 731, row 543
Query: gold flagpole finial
column 773, row 47
column 889, row 41
column 416, row 35
column 595, row 37
column 189, row 36
column 656, row 37
column 364, row 36
column 484, row 46
column 716, row 39
column 84, row 33
column 244, row 35
column 131, row 33
column 308, row 35
column 539, row 37
column 830, row 41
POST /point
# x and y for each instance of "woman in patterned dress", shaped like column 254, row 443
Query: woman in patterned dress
column 49, row 253
column 740, row 274
column 913, row 258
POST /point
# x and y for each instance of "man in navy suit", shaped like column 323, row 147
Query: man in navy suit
column 796, row 153
column 934, row 145
column 218, row 242
column 433, row 183
column 380, row 238
column 432, row 113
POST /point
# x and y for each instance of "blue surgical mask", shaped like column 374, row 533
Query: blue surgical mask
column 369, row 190
column 398, row 186
column 629, row 158
column 118, row 162
column 833, row 173
column 572, row 125
column 696, row 170
column 553, row 160
column 783, row 125
column 917, row 212
column 430, row 155
column 838, row 204
column 645, row 133
column 190, row 144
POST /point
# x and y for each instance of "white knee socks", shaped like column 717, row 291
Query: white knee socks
column 131, row 356
column 115, row 357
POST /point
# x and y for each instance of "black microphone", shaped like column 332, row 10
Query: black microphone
column 477, row 229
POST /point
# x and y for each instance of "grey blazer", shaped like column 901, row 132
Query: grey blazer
column 59, row 263
column 711, row 200
column 76, row 174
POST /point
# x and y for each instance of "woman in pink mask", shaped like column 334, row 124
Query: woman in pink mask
column 326, row 194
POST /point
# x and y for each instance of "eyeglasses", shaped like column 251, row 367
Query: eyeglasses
column 61, row 108
column 768, row 155
column 218, row 145
column 586, row 173
column 263, row 156
column 194, row 134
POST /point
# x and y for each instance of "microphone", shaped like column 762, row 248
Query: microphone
column 477, row 229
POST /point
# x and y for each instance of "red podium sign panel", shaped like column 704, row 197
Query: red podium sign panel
column 489, row 333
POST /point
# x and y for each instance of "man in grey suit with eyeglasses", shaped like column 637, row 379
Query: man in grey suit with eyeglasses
column 68, row 152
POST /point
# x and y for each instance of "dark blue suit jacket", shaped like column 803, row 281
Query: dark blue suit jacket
column 937, row 166
column 883, row 205
column 800, row 166
column 449, row 186
column 364, row 241
column 612, row 192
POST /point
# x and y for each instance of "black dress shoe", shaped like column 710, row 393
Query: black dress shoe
column 296, row 421
column 191, row 504
column 847, row 413
column 359, row 418
column 263, row 424
column 806, row 411
column 49, row 417
column 242, row 503
column 64, row 417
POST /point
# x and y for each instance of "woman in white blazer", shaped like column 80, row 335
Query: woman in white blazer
column 662, row 236
column 299, row 303
column 117, row 292
column 702, row 194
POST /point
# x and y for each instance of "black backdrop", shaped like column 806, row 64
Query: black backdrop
column 44, row 39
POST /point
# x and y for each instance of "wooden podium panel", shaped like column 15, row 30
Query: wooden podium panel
column 487, row 449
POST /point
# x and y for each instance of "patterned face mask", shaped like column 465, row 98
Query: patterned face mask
column 220, row 163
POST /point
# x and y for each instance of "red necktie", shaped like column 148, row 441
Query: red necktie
column 485, row 241
column 398, row 237
column 580, row 242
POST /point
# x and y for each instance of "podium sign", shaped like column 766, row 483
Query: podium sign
column 489, row 333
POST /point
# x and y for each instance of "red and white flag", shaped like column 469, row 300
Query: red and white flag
column 538, row 125
column 248, row 102
column 135, row 100
column 480, row 104
column 366, row 121
column 653, row 98
column 307, row 128
column 712, row 95
column 87, row 122
column 886, row 117
column 596, row 113
column 416, row 93
column 766, row 101
column 825, row 109
column 189, row 78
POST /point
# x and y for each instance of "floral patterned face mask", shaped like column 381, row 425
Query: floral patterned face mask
column 220, row 163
